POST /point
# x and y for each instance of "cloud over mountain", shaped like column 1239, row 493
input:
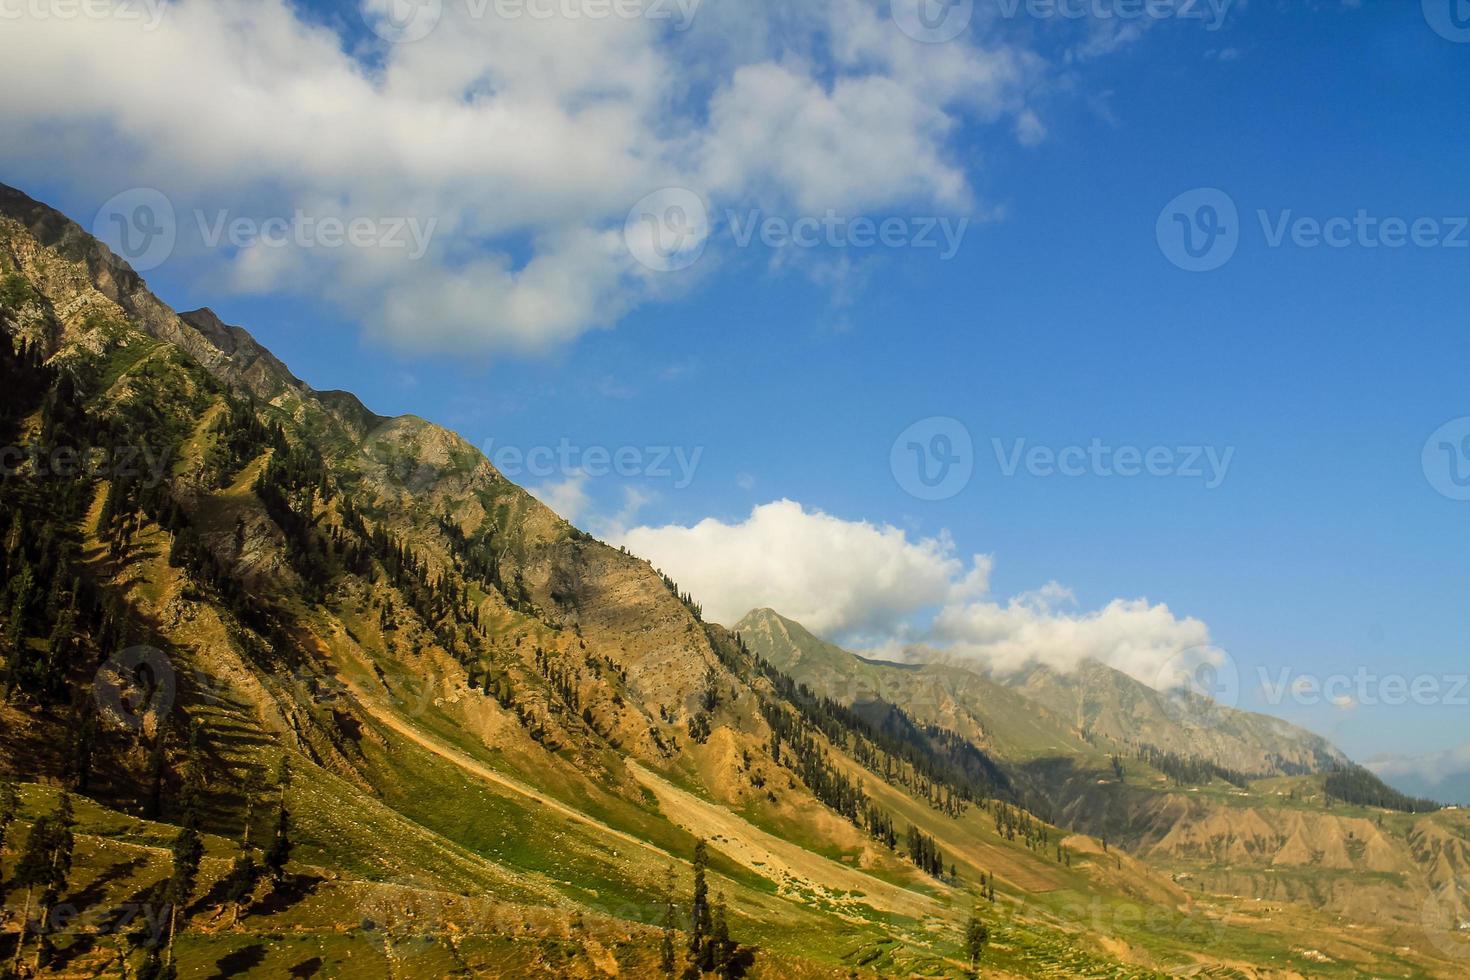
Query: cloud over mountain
column 524, row 139
column 875, row 586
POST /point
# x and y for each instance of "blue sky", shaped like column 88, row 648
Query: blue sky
column 1325, row 548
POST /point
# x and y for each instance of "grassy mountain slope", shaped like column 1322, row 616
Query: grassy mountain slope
column 989, row 714
column 498, row 734
column 1276, row 838
column 1109, row 703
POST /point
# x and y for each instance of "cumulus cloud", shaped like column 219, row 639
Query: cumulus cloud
column 525, row 140
column 1133, row 635
column 834, row 576
column 567, row 497
column 875, row 586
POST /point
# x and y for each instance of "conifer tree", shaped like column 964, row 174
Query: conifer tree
column 158, row 767
column 279, row 851
column 81, row 743
column 977, row 935
column 722, row 952
column 187, row 850
column 699, row 912
column 252, row 788
column 239, row 883
column 9, row 807
column 44, row 864
column 666, row 943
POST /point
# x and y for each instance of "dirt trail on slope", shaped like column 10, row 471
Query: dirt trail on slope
column 797, row 872
column 484, row 772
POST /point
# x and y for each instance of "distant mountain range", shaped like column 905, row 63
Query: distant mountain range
column 1442, row 776
column 1042, row 710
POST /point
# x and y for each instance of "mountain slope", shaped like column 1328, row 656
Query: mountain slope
column 1106, row 702
column 1153, row 773
column 539, row 724
column 962, row 700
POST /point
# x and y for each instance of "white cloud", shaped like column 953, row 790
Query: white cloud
column 862, row 143
column 527, row 140
column 856, row 581
column 834, row 576
column 568, row 497
column 1030, row 130
column 1133, row 635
